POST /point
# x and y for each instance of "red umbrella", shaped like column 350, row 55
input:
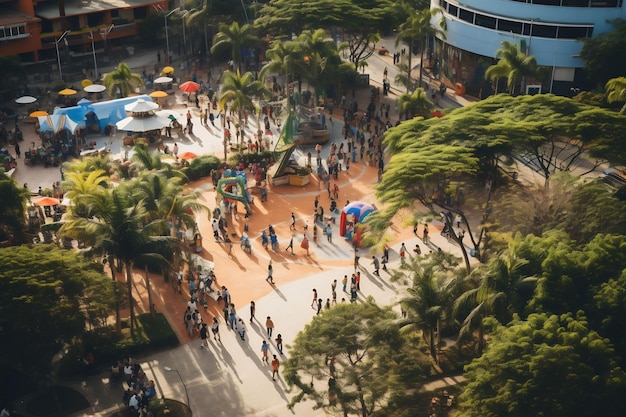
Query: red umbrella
column 189, row 87
column 47, row 201
column 187, row 155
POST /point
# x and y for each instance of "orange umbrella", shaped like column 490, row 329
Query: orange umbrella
column 38, row 113
column 189, row 87
column 187, row 155
column 47, row 201
column 67, row 92
column 167, row 70
column 157, row 94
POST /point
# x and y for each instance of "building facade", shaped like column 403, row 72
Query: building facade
column 31, row 29
column 547, row 29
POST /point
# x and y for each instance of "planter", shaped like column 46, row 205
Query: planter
column 299, row 180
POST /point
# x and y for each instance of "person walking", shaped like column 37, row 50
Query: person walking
column 18, row 153
column 204, row 334
column 356, row 260
column 292, row 225
column 314, row 302
column 279, row 343
column 344, row 282
column 376, row 264
column 241, row 329
column 275, row 366
column 425, row 236
column 385, row 256
column 269, row 326
column 270, row 273
column 290, row 246
column 329, row 233
column 320, row 304
column 402, row 253
column 265, row 349
column 215, row 329
column 252, row 310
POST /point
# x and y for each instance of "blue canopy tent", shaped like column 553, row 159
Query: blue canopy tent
column 102, row 113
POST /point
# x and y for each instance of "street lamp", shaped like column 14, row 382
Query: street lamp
column 168, row 369
column 183, row 15
column 158, row 8
column 56, row 44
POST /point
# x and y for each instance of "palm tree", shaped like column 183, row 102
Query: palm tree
column 616, row 91
column 285, row 58
column 513, row 65
column 416, row 104
column 500, row 293
column 235, row 38
column 418, row 28
column 121, row 82
column 238, row 91
column 429, row 299
column 120, row 230
column 320, row 52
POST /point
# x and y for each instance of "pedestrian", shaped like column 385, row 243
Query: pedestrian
column 356, row 260
column 314, row 298
column 265, row 348
column 279, row 343
column 402, row 253
column 290, row 246
column 385, row 256
column 252, row 310
column 215, row 329
column 358, row 280
column 270, row 273
column 269, row 326
column 376, row 264
column 415, row 229
column 241, row 329
column 315, row 233
column 201, row 116
column 292, row 226
column 320, row 303
column 317, row 202
column 232, row 318
column 204, row 334
column 158, row 57
column 417, row 250
column 425, row 235
column 329, row 233
column 305, row 244
column 275, row 365
column 18, row 153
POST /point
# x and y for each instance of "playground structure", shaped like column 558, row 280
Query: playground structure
column 351, row 220
column 233, row 187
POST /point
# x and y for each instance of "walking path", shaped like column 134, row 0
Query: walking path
column 229, row 378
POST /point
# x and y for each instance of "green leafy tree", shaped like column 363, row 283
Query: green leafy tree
column 547, row 365
column 285, row 58
column 616, row 91
column 502, row 291
column 603, row 54
column 350, row 358
column 235, row 37
column 415, row 104
column 45, row 294
column 12, row 210
column 513, row 65
column 429, row 298
column 607, row 310
column 418, row 28
column 358, row 22
column 122, row 82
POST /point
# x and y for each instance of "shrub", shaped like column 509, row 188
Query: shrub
column 201, row 167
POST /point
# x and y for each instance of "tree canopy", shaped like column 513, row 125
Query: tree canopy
column 547, row 365
column 12, row 209
column 47, row 296
column 603, row 55
column 355, row 356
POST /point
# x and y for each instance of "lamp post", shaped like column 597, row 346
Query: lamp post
column 168, row 369
column 158, row 8
column 56, row 44
column 93, row 50
column 183, row 15
column 104, row 33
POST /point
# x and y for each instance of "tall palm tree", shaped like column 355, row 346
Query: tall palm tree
column 429, row 299
column 500, row 293
column 320, row 52
column 122, row 82
column 238, row 91
column 235, row 38
column 418, row 28
column 416, row 104
column 513, row 65
column 286, row 58
column 616, row 91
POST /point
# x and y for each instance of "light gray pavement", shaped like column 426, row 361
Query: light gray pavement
column 229, row 379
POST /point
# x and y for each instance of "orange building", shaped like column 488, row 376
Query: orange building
column 31, row 28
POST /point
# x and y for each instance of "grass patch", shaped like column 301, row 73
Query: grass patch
column 56, row 401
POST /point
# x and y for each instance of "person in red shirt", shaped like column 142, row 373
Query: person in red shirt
column 275, row 365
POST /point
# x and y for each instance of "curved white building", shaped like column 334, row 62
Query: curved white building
column 546, row 29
